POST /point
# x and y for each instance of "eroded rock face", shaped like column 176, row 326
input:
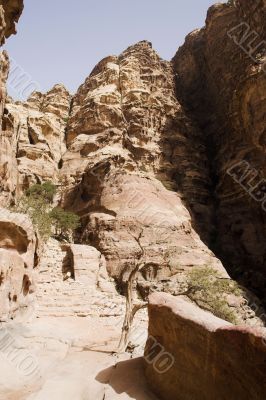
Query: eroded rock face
column 10, row 12
column 222, row 82
column 18, row 258
column 37, row 132
column 126, row 133
column 137, row 214
column 190, row 354
column 8, row 143
column 127, row 108
column 135, row 165
column 146, row 174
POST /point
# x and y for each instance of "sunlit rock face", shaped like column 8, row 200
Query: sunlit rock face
column 141, row 153
column 221, row 80
column 18, row 258
column 133, row 160
column 40, row 126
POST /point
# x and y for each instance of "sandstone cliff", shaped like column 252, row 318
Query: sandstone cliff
column 164, row 163
column 18, row 258
column 10, row 12
column 127, row 137
column 39, row 125
column 221, row 81
column 131, row 162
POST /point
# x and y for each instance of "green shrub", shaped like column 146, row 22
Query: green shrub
column 64, row 221
column 36, row 202
column 37, row 208
column 45, row 191
column 209, row 290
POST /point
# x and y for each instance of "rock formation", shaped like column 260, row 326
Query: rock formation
column 164, row 164
column 39, row 125
column 132, row 162
column 190, row 354
column 10, row 11
column 221, row 81
column 125, row 133
column 18, row 258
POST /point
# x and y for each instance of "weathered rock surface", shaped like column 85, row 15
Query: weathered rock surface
column 10, row 12
column 132, row 163
column 126, row 132
column 73, row 281
column 135, row 164
column 190, row 354
column 39, row 125
column 8, row 144
column 126, row 113
column 18, row 258
column 221, row 81
column 141, row 153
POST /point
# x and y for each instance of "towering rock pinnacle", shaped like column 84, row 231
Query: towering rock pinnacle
column 132, row 156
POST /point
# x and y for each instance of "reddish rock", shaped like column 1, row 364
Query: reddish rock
column 221, row 80
column 192, row 355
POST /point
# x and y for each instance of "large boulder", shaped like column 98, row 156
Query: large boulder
column 192, row 355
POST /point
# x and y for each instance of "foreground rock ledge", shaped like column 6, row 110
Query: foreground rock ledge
column 213, row 359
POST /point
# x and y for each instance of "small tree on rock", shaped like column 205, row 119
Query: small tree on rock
column 37, row 203
column 64, row 222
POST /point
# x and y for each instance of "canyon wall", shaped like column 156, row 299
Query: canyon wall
column 129, row 118
column 190, row 354
column 221, row 81
column 18, row 241
column 141, row 153
column 127, row 136
column 10, row 12
column 19, row 256
column 39, row 125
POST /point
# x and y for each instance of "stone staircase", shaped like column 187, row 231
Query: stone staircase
column 57, row 297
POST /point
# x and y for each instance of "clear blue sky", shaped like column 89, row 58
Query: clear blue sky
column 60, row 41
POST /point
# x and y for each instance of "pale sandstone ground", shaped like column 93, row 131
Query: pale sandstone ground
column 75, row 355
